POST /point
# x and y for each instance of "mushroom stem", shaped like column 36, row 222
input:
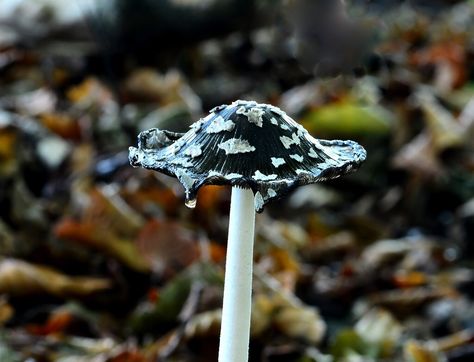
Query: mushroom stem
column 235, row 327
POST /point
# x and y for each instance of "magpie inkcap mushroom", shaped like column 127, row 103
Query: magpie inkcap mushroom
column 248, row 145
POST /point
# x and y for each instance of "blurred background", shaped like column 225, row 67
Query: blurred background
column 102, row 262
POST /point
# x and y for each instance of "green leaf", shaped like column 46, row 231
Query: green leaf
column 348, row 342
column 348, row 119
column 172, row 297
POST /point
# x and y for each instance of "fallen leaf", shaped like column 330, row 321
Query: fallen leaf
column 404, row 301
column 150, row 196
column 217, row 252
column 147, row 84
column 166, row 310
column 302, row 322
column 444, row 129
column 262, row 311
column 36, row 102
column 57, row 322
column 348, row 119
column 282, row 265
column 349, row 343
column 335, row 245
column 380, row 327
column 410, row 279
column 167, row 246
column 455, row 340
column 106, row 206
column 416, row 352
column 93, row 234
column 6, row 311
column 389, row 251
column 204, row 324
column 449, row 58
column 8, row 157
column 21, row 278
column 128, row 356
column 419, row 156
column 91, row 92
column 61, row 124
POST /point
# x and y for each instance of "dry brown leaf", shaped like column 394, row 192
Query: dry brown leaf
column 401, row 250
column 150, row 196
column 408, row 300
column 8, row 157
column 91, row 92
column 453, row 277
column 410, row 279
column 282, row 265
column 18, row 277
column 455, row 340
column 416, row 352
column 419, row 156
column 164, row 346
column 262, row 312
column 318, row 228
column 217, row 252
column 295, row 320
column 167, row 245
column 302, row 322
column 203, row 324
column 6, row 311
column 449, row 58
column 380, row 327
column 149, row 85
column 444, row 130
column 62, row 124
column 340, row 243
column 108, row 224
column 107, row 207
column 95, row 235
column 36, row 102
column 57, row 322
column 283, row 234
column 128, row 356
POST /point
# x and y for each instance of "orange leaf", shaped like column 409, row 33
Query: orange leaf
column 153, row 294
column 167, row 245
column 95, row 235
column 57, row 322
column 61, row 124
column 89, row 92
column 109, row 209
column 8, row 141
column 450, row 54
column 217, row 252
column 73, row 230
column 410, row 279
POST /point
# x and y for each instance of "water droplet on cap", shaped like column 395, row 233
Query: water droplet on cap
column 190, row 203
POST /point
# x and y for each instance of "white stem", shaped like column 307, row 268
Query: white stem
column 235, row 327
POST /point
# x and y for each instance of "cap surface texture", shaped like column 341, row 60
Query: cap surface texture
column 249, row 145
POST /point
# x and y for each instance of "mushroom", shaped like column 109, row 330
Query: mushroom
column 263, row 154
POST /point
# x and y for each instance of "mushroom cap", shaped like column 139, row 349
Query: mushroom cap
column 248, row 145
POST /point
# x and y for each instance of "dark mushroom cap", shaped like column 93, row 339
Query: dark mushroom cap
column 249, row 145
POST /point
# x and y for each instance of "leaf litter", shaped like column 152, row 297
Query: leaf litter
column 100, row 262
